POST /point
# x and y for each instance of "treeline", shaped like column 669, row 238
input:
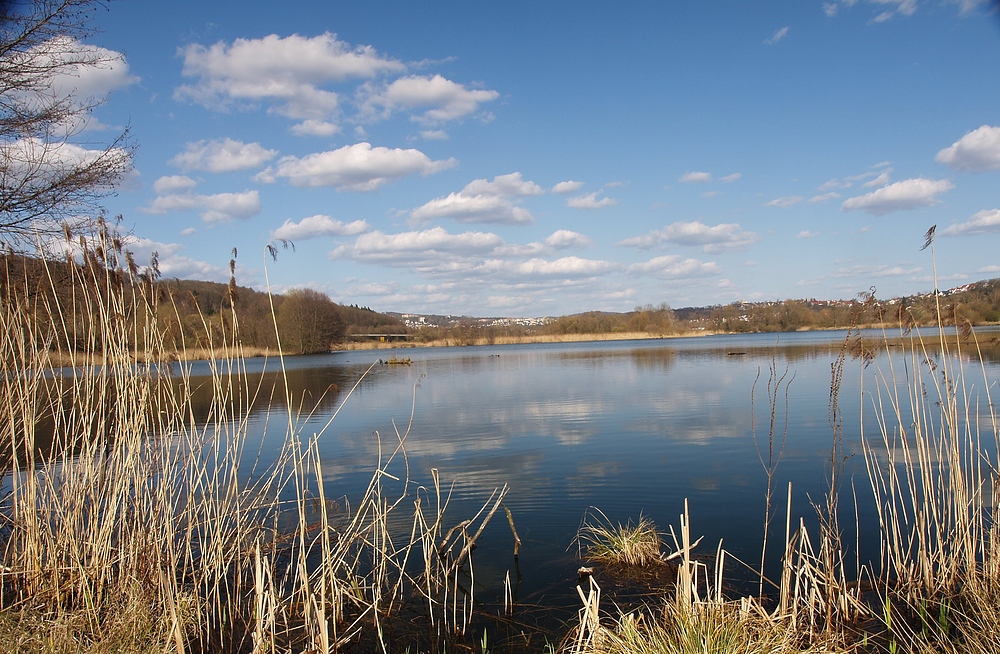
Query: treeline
column 191, row 315
column 308, row 321
column 974, row 304
column 648, row 319
column 643, row 319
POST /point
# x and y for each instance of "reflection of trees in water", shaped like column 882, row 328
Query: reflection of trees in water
column 787, row 353
column 308, row 389
column 59, row 401
column 648, row 357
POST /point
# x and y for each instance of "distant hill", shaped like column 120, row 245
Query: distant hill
column 976, row 303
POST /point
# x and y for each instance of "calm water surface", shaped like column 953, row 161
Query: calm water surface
column 633, row 428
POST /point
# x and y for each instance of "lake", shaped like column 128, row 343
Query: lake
column 633, row 428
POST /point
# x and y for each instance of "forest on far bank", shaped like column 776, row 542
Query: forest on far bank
column 197, row 314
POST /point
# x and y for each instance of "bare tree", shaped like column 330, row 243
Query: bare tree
column 47, row 176
column 308, row 322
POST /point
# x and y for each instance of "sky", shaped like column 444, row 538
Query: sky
column 546, row 158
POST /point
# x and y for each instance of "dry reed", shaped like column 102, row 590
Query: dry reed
column 129, row 523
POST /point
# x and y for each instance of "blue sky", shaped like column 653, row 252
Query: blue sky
column 545, row 158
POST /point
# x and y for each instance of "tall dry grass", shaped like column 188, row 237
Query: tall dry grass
column 930, row 443
column 129, row 524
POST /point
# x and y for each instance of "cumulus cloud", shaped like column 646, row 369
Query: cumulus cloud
column 673, row 266
column 222, row 156
column 94, row 73
column 977, row 151
column 313, row 127
column 569, row 186
column 695, row 178
column 778, row 35
column 882, row 270
column 319, row 225
column 447, row 100
column 173, row 184
column 217, row 208
column 877, row 175
column 908, row 194
column 434, row 135
column 482, row 201
column 563, row 238
column 590, row 201
column 881, row 180
column 727, row 236
column 983, row 222
column 431, row 247
column 728, row 179
column 824, row 197
column 173, row 263
column 45, row 160
column 473, row 209
column 358, row 167
column 287, row 73
column 564, row 267
column 787, row 201
column 509, row 185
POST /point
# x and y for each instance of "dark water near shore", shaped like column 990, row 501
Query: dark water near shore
column 633, row 428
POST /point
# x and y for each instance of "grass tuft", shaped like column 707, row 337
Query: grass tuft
column 630, row 544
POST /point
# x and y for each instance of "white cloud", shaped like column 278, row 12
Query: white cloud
column 825, row 197
column 358, row 167
column 221, row 207
column 509, row 185
column 886, row 9
column 807, row 234
column 319, row 225
column 695, row 178
column 431, row 248
column 882, row 270
column 590, row 201
column 977, row 151
column 287, row 72
column 673, row 266
column 174, row 264
column 881, row 180
column 787, row 201
column 778, row 35
column 727, row 236
column 989, row 269
column 966, row 7
column 473, row 209
column 877, row 175
column 94, row 73
column 45, row 160
column 434, row 135
column 482, row 201
column 564, row 267
column 313, row 127
column 563, row 238
column 173, row 184
column 448, row 100
column 908, row 194
column 983, row 222
column 728, row 179
column 222, row 156
column 568, row 186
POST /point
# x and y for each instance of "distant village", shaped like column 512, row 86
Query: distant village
column 695, row 318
